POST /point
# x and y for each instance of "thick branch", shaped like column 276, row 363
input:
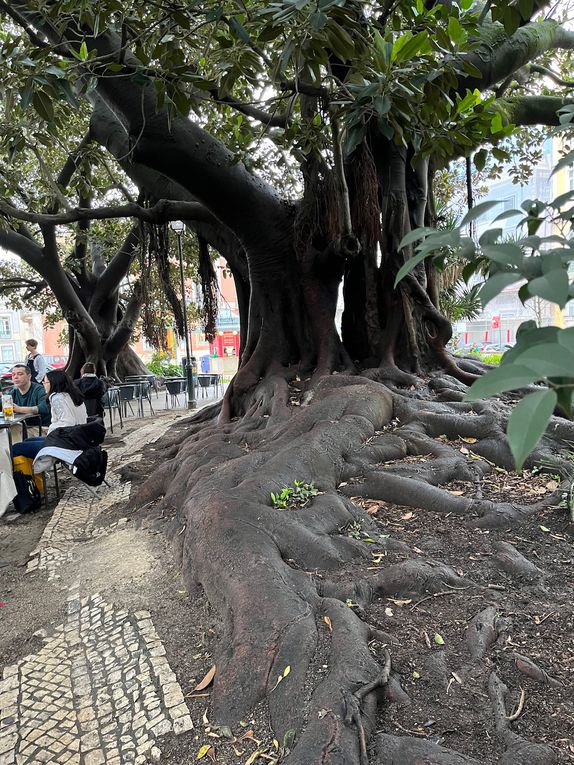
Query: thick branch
column 160, row 213
column 532, row 110
column 499, row 56
column 118, row 267
column 127, row 325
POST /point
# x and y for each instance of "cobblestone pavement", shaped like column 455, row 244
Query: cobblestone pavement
column 101, row 690
column 74, row 515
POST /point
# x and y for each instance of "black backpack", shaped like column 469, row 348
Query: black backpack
column 28, row 499
column 90, row 467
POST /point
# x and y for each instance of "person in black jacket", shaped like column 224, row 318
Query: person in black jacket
column 92, row 388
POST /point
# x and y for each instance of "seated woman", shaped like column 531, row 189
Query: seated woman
column 67, row 406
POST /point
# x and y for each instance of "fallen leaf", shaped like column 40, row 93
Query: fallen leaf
column 203, row 751
column 427, row 639
column 543, row 528
column 251, row 759
column 407, row 516
column 418, row 550
column 438, row 639
column 238, row 752
column 401, row 602
column 211, row 753
column 469, row 440
column 205, row 720
column 456, row 492
column 388, row 611
column 321, row 713
column 464, row 450
column 457, row 678
column 552, row 485
column 329, row 623
column 206, row 680
column 416, row 675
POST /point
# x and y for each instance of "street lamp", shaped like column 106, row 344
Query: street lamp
column 178, row 227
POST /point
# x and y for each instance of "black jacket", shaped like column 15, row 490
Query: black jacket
column 93, row 390
column 77, row 437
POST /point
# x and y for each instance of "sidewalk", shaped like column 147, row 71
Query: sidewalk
column 99, row 643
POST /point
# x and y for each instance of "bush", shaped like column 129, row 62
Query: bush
column 159, row 366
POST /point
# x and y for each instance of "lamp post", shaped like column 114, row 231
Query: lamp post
column 177, row 227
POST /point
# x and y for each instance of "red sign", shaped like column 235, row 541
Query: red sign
column 495, row 322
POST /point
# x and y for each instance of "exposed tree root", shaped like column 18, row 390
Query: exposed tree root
column 274, row 575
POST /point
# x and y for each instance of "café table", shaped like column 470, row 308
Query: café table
column 8, row 435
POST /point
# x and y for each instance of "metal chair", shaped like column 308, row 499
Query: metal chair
column 111, row 401
column 204, row 383
column 173, row 389
column 127, row 395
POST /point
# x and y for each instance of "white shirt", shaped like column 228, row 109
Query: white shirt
column 65, row 413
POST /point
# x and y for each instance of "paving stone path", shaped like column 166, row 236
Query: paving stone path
column 100, row 691
column 73, row 518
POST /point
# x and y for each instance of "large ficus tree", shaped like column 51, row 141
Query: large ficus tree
column 208, row 108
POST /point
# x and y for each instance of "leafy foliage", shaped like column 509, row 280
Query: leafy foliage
column 543, row 266
column 297, row 495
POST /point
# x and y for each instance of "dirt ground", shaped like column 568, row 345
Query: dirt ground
column 446, row 689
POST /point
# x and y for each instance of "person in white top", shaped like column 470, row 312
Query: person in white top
column 67, row 408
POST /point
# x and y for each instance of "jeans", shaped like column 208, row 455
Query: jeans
column 28, row 448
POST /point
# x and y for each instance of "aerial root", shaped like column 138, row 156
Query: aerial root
column 408, row 750
column 353, row 712
column 510, row 560
column 518, row 750
column 534, row 672
column 482, row 632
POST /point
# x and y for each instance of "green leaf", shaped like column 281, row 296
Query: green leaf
column 480, row 158
column 478, row 210
column 43, row 105
column 567, row 159
column 506, row 253
column 548, row 359
column 415, row 235
column 553, row 286
column 83, row 52
column 528, row 422
column 438, row 639
column 407, row 267
column 501, row 379
column 495, row 285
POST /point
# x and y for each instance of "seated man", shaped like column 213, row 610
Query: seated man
column 29, row 397
column 93, row 389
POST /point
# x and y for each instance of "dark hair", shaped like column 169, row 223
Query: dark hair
column 32, row 343
column 60, row 382
column 23, row 366
column 88, row 368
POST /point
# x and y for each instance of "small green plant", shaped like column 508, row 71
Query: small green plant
column 355, row 530
column 297, row 495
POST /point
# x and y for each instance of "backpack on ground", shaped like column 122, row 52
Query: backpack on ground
column 28, row 498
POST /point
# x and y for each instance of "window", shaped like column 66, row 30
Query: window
column 5, row 328
column 509, row 203
column 7, row 352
